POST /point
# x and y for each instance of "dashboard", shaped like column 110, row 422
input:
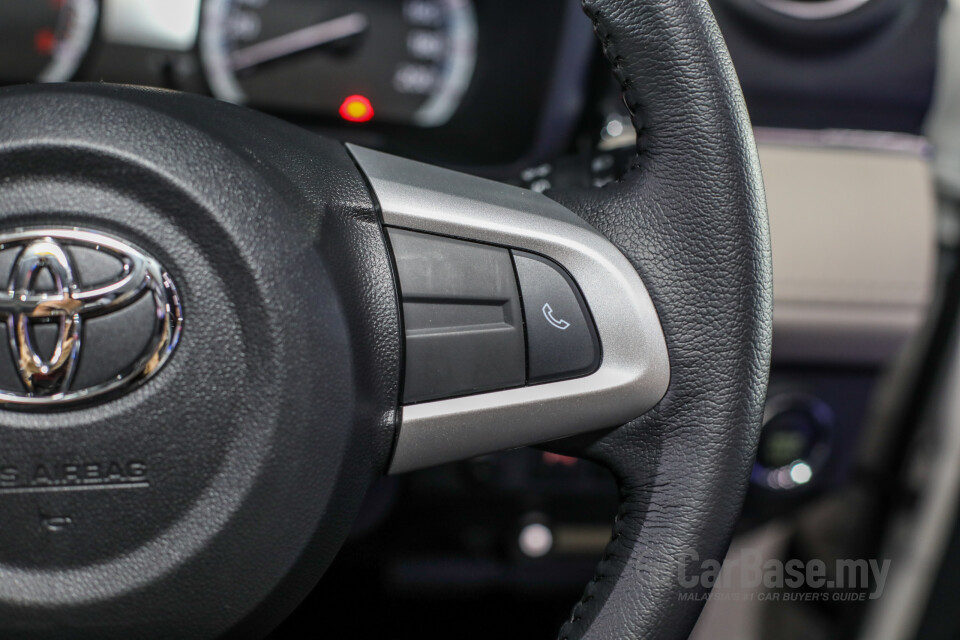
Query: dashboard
column 490, row 85
column 446, row 79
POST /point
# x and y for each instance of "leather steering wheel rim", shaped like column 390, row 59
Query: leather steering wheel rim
column 691, row 217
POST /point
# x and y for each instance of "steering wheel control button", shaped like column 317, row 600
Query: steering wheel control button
column 462, row 317
column 561, row 339
column 86, row 314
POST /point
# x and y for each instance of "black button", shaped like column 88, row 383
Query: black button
column 462, row 318
column 561, row 339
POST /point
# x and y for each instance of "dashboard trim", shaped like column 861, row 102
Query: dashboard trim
column 823, row 10
column 853, row 227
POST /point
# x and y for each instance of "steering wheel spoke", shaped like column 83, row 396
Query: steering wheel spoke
column 631, row 373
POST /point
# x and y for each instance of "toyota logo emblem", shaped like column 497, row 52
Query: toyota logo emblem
column 56, row 286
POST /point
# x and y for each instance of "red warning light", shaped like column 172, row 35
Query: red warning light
column 356, row 109
column 554, row 459
column 44, row 41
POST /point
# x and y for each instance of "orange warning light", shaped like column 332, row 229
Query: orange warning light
column 356, row 109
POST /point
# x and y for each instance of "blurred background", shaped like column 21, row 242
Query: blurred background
column 856, row 107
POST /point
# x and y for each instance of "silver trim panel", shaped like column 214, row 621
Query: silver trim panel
column 823, row 10
column 848, row 139
column 170, row 25
column 635, row 371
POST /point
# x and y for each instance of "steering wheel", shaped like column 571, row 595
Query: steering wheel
column 213, row 323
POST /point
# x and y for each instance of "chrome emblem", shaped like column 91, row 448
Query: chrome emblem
column 49, row 379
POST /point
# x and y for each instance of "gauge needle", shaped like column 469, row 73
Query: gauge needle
column 300, row 40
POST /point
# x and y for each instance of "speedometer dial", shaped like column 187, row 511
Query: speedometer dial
column 44, row 40
column 405, row 61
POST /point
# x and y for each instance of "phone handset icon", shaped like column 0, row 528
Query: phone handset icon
column 559, row 323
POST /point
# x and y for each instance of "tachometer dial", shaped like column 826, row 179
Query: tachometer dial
column 405, row 61
column 44, row 40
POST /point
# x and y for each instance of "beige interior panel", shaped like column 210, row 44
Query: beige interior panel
column 853, row 226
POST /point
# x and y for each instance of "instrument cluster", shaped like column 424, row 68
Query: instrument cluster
column 455, row 81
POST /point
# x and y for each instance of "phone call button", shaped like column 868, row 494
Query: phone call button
column 561, row 338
